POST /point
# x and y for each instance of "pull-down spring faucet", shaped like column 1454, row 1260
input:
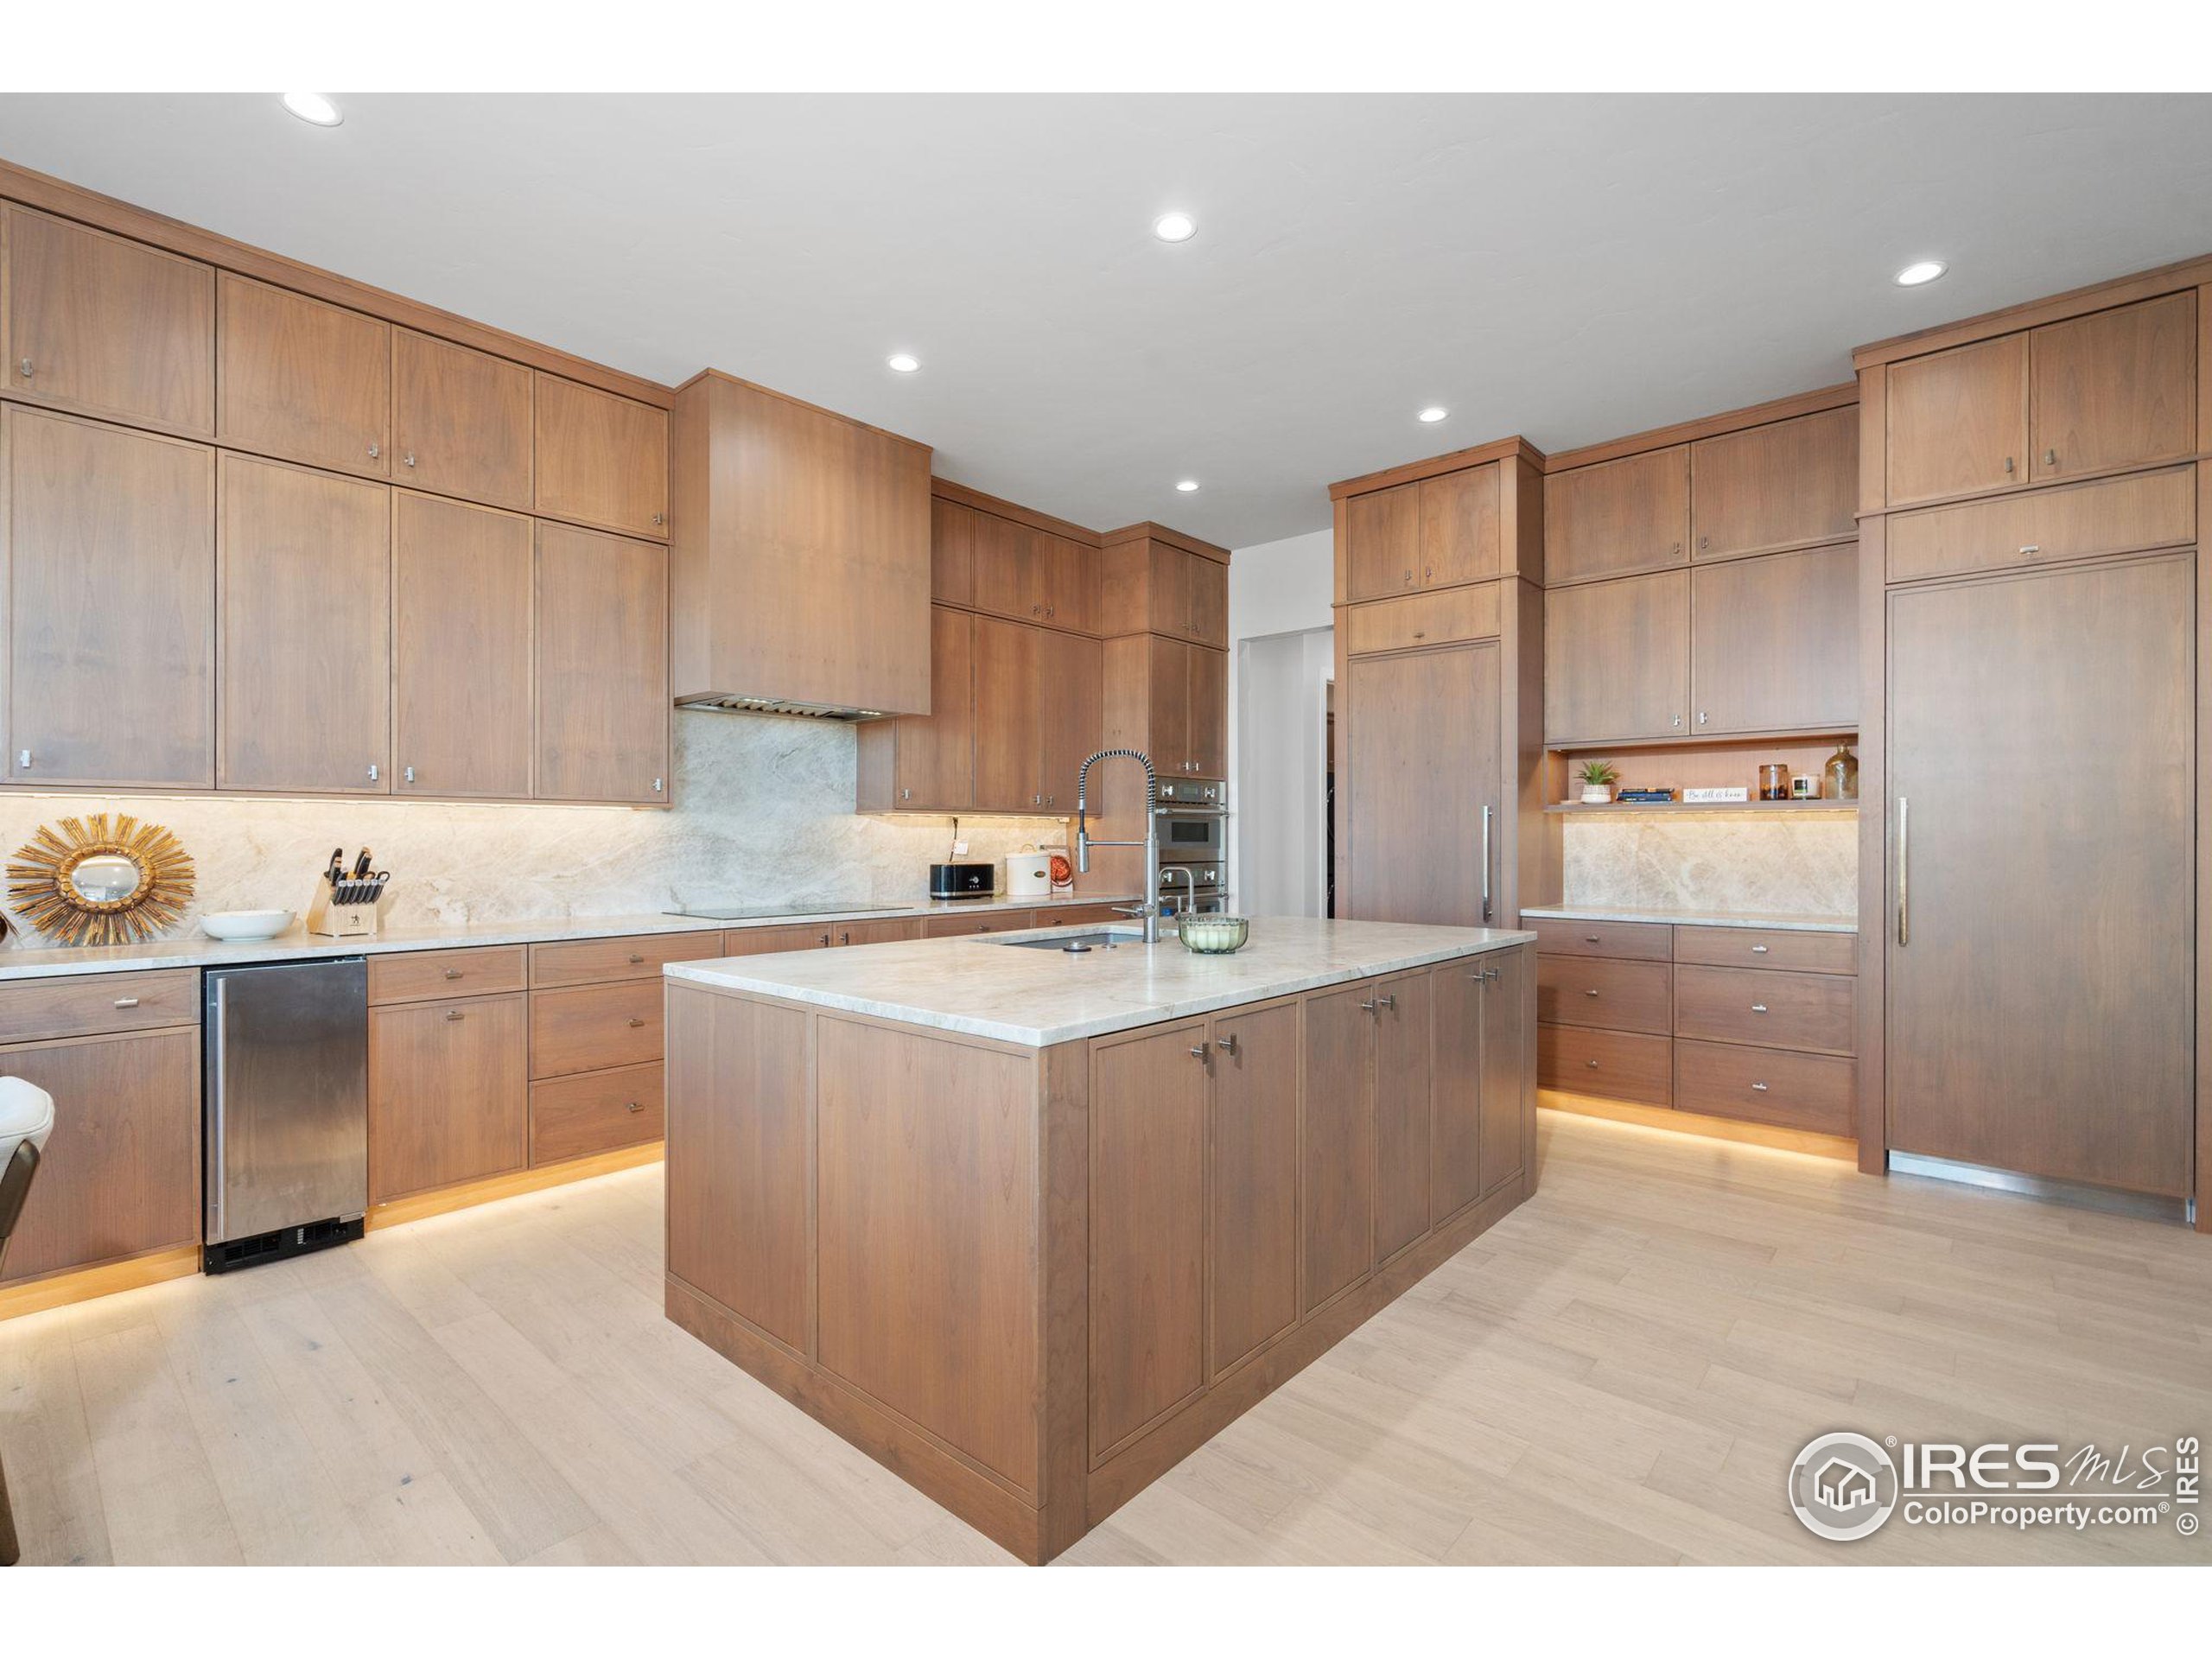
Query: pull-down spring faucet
column 1149, row 908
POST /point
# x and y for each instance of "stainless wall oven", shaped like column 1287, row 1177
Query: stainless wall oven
column 1193, row 820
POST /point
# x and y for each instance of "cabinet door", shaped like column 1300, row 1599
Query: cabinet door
column 952, row 552
column 1458, row 527
column 302, row 379
column 934, row 756
column 1208, row 738
column 1423, row 765
column 448, row 1093
column 120, row 1174
column 2117, row 388
column 1070, row 578
column 461, row 649
column 1617, row 517
column 1010, row 724
column 1337, row 1142
column 304, row 612
column 602, row 460
column 1775, row 642
column 1167, row 720
column 1148, row 1228
column 1010, row 573
column 1072, row 690
column 1786, row 484
column 460, row 421
column 110, row 613
column 1508, row 1066
column 112, row 327
column 2077, row 1062
column 1458, row 998
column 602, row 667
column 1252, row 1235
column 1617, row 659
column 1958, row 420
column 1404, row 1126
column 1209, row 600
column 1382, row 542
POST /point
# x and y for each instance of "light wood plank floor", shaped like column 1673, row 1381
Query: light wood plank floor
column 1619, row 1372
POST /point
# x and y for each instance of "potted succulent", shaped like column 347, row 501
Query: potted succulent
column 1597, row 778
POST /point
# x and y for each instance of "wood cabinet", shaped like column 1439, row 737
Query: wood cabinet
column 989, row 921
column 1206, row 681
column 596, row 1112
column 1958, row 420
column 303, row 614
column 110, row 548
column 600, row 460
column 1506, row 1111
column 460, row 422
column 1170, row 699
column 1033, row 712
column 1154, row 581
column 591, row 1027
column 1009, row 722
column 1404, row 1120
column 1337, row 1144
column 1208, row 581
column 1012, row 578
column 926, row 763
column 107, row 327
column 1617, row 659
column 461, row 679
column 2131, row 513
column 1382, row 537
column 1617, row 518
column 1071, row 691
column 120, row 1174
column 427, row 975
column 952, row 558
column 1423, row 620
column 601, row 607
column 1435, row 532
column 448, row 1093
column 2114, row 389
column 1423, row 815
column 1785, row 483
column 303, row 379
column 1252, row 1182
column 1774, row 642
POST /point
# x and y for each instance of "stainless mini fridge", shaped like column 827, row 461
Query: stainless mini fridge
column 287, row 1150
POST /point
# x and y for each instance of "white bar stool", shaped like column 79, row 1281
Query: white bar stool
column 26, row 1119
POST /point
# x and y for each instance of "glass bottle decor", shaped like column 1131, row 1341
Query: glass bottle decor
column 1842, row 773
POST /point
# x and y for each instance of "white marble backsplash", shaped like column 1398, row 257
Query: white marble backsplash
column 1779, row 862
column 762, row 816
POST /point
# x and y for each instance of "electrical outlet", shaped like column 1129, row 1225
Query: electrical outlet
column 960, row 849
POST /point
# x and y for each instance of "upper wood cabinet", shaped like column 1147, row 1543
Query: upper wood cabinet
column 1774, row 643
column 1150, row 582
column 602, row 460
column 1617, row 659
column 1208, row 699
column 1958, row 420
column 460, row 421
column 112, row 327
column 111, row 614
column 304, row 562
column 2114, row 389
column 1787, row 483
column 303, row 379
column 952, row 553
column 1009, row 721
column 1072, row 688
column 1382, row 542
column 602, row 667
column 1617, row 517
column 461, row 649
column 1209, row 606
column 1169, row 698
column 1436, row 532
column 926, row 763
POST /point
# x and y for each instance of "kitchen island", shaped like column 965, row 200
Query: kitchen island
column 1029, row 1226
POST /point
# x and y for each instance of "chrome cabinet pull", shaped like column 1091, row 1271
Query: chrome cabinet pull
column 660, row 518
column 1493, row 973
column 26, row 366
column 1758, row 1007
column 455, row 973
column 375, row 449
column 408, row 773
column 637, row 1106
column 126, row 1002
column 1760, row 1087
column 372, row 772
column 2031, row 549
column 1227, row 1045
column 655, row 785
column 1592, row 992
column 1589, row 938
column 1200, row 1053
column 1701, row 716
column 1387, row 1001
column 2050, row 457
column 1592, row 1064
column 1368, row 1006
column 1487, row 814
column 24, row 759
column 2008, row 465
column 1758, row 950
column 407, row 460
column 635, row 1021
column 1905, row 871
column 456, row 1014
column 635, row 958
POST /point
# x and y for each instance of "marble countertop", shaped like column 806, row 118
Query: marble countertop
column 1691, row 917
column 1038, row 998
column 197, row 950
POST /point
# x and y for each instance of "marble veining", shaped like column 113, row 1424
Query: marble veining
column 1771, row 864
column 1036, row 998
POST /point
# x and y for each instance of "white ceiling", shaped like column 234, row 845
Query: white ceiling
column 1569, row 268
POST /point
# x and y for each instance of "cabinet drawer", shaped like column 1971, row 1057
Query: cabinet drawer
column 1754, row 947
column 594, row 1026
column 961, row 927
column 590, row 962
column 1637, row 941
column 1619, row 1064
column 1594, row 991
column 84, row 1005
column 2114, row 515
column 769, row 941
column 1775, row 1010
column 1424, row 619
column 1765, row 1085
column 422, row 976
column 574, row 1117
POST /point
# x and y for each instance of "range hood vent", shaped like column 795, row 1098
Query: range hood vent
column 778, row 706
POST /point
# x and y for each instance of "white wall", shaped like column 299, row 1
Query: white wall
column 1278, row 589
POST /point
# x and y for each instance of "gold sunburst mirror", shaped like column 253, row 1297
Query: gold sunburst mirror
column 87, row 886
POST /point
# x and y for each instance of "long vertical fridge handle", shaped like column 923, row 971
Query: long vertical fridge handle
column 1905, row 871
column 1486, row 817
column 217, row 1171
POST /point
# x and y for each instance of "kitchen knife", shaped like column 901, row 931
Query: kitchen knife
column 361, row 865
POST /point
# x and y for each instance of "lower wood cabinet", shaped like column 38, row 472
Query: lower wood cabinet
column 1252, row 1182
column 1337, row 1144
column 596, row 1111
column 1483, row 1078
column 1404, row 1128
column 448, row 1093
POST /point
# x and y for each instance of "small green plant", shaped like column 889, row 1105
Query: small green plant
column 1598, row 774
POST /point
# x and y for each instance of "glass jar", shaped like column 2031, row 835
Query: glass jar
column 1842, row 773
column 1774, row 781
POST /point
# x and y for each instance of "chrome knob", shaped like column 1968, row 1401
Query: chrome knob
column 637, row 1106
column 1227, row 1045
column 635, row 1021
column 408, row 773
column 660, row 518
column 1592, row 1064
column 1387, row 1001
column 375, row 449
column 456, row 1014
column 635, row 958
column 407, row 460
column 1200, row 1053
column 26, row 366
column 1590, row 993
column 1758, row 1007
column 1758, row 950
column 453, row 973
column 1760, row 1087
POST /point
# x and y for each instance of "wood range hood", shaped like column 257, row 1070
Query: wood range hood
column 799, row 558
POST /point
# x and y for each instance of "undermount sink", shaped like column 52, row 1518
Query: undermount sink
column 1076, row 944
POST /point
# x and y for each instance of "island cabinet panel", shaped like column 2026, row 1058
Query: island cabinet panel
column 448, row 1093
column 1508, row 1089
column 928, row 1157
column 1252, row 1241
column 740, row 1124
column 1337, row 1142
column 1148, row 1228
column 1404, row 1124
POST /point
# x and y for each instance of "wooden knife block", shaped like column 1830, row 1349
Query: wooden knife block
column 332, row 921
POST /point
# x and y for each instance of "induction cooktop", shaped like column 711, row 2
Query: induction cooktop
column 769, row 913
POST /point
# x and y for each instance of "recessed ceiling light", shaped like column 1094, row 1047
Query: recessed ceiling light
column 1174, row 228
column 313, row 108
column 1919, row 272
column 904, row 362
column 1434, row 413
column 1187, row 484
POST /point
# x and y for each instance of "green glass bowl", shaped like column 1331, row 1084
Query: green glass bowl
column 1215, row 935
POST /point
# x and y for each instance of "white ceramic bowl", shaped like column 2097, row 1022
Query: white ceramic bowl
column 246, row 923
